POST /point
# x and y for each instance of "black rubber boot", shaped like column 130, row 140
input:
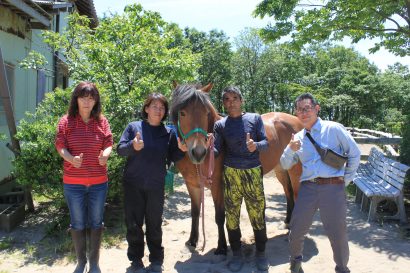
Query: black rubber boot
column 80, row 246
column 295, row 267
column 94, row 255
column 262, row 263
column 236, row 263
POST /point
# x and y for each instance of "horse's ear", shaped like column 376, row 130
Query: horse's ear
column 174, row 84
column 207, row 88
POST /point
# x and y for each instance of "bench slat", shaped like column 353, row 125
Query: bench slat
column 381, row 178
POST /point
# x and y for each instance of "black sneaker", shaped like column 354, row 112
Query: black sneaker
column 155, row 267
column 136, row 267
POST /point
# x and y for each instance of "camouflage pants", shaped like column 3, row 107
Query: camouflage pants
column 244, row 184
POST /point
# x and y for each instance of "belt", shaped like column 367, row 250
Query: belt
column 327, row 180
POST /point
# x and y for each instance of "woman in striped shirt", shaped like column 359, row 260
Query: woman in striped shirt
column 84, row 140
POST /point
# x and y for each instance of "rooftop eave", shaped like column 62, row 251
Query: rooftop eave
column 86, row 7
column 37, row 15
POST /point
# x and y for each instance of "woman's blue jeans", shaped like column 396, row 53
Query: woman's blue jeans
column 86, row 205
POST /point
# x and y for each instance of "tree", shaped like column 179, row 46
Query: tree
column 215, row 62
column 309, row 21
column 128, row 56
column 246, row 64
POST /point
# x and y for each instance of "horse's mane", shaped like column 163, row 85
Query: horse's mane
column 185, row 94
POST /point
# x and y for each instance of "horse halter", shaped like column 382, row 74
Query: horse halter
column 193, row 131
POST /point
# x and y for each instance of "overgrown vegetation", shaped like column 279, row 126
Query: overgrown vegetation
column 133, row 54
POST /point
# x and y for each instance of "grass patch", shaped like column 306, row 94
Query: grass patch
column 351, row 189
column 6, row 244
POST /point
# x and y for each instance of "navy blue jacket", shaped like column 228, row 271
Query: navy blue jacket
column 147, row 168
column 230, row 136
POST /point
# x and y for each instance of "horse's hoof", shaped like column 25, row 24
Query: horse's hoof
column 190, row 245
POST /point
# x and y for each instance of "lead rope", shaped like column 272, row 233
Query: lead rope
column 201, row 184
column 202, row 187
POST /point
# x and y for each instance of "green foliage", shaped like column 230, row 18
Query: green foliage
column 133, row 54
column 128, row 56
column 247, row 64
column 34, row 60
column 307, row 22
column 5, row 243
column 39, row 164
column 215, row 63
column 405, row 145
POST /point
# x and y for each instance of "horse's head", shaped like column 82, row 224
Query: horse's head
column 193, row 116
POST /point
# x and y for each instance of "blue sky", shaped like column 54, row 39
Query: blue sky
column 231, row 16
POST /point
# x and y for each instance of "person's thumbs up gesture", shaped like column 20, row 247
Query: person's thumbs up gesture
column 102, row 159
column 77, row 160
column 137, row 142
column 250, row 144
column 294, row 144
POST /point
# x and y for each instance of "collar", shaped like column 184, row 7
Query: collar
column 317, row 127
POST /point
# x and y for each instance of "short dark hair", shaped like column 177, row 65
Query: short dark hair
column 306, row 96
column 232, row 89
column 85, row 89
column 151, row 97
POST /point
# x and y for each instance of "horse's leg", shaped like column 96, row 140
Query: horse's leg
column 283, row 177
column 195, row 194
column 295, row 172
column 217, row 196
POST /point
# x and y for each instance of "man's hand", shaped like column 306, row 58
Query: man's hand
column 294, row 144
column 137, row 142
column 250, row 144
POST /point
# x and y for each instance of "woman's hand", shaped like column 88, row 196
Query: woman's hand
column 182, row 146
column 102, row 159
column 77, row 160
column 209, row 140
column 137, row 142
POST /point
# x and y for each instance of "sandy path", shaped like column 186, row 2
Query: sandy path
column 374, row 248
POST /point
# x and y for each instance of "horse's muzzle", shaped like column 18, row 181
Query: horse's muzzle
column 197, row 154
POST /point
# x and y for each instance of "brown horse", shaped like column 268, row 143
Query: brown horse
column 194, row 116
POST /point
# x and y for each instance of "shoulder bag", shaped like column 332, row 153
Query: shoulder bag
column 329, row 156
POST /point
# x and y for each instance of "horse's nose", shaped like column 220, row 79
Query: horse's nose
column 198, row 154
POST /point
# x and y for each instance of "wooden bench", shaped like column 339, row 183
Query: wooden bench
column 380, row 178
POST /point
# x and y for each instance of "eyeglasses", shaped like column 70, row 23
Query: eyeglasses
column 306, row 109
column 157, row 108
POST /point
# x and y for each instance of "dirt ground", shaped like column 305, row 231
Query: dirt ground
column 375, row 247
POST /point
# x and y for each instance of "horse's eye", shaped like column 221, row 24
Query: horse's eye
column 182, row 114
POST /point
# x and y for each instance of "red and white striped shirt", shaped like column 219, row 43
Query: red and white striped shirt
column 88, row 138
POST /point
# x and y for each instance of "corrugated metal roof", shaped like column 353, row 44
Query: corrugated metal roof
column 28, row 9
column 84, row 7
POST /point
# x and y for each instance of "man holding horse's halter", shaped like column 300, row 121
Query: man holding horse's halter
column 322, row 182
column 242, row 135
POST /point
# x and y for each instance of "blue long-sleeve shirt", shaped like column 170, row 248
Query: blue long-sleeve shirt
column 147, row 168
column 230, row 136
column 327, row 134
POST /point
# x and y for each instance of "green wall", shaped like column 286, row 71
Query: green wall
column 16, row 41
